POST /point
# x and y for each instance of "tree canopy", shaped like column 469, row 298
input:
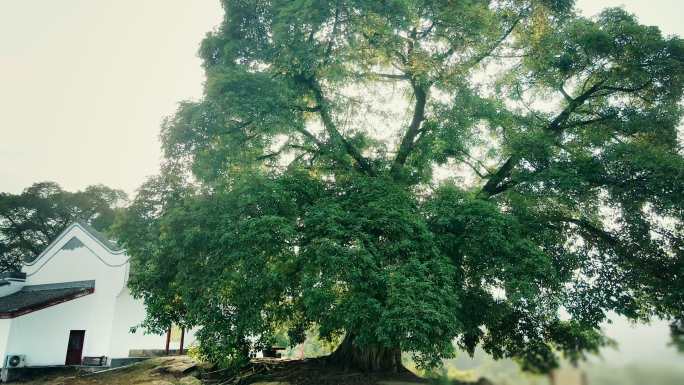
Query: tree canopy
column 29, row 221
column 409, row 173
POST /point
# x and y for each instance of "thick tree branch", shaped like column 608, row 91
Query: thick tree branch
column 284, row 148
column 310, row 136
column 328, row 50
column 565, row 94
column 557, row 123
column 384, row 76
column 408, row 141
column 492, row 187
column 306, row 109
column 593, row 230
column 580, row 123
column 331, row 128
column 473, row 167
column 476, row 60
column 475, row 164
column 627, row 89
column 487, row 53
column 494, row 184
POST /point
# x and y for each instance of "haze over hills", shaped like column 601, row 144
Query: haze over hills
column 643, row 357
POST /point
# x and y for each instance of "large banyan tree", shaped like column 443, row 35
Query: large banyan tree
column 418, row 176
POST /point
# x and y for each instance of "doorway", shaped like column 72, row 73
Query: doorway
column 75, row 347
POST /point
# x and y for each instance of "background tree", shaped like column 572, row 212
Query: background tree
column 677, row 333
column 410, row 173
column 31, row 220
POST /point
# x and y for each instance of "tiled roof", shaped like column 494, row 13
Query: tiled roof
column 99, row 236
column 35, row 297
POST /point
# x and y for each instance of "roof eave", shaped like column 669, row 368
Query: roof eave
column 44, row 305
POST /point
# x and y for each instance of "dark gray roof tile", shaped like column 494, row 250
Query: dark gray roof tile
column 99, row 236
column 35, row 297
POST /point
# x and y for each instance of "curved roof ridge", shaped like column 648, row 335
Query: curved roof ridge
column 97, row 236
column 100, row 236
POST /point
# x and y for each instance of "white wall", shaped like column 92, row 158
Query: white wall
column 131, row 312
column 5, row 325
column 43, row 335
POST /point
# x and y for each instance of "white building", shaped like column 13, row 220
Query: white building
column 72, row 302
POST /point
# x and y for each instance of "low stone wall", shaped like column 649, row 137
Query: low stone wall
column 15, row 374
column 152, row 352
column 119, row 362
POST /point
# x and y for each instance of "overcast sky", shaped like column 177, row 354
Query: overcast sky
column 84, row 85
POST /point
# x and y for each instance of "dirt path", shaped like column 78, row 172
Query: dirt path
column 157, row 371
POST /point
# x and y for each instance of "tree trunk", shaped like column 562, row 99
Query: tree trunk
column 367, row 358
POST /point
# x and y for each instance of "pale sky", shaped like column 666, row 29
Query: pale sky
column 85, row 84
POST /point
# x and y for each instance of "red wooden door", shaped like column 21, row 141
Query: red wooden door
column 75, row 347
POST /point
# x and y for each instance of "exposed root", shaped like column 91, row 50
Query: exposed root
column 304, row 372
